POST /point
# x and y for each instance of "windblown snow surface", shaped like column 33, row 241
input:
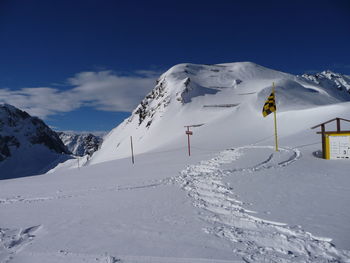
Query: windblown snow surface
column 235, row 199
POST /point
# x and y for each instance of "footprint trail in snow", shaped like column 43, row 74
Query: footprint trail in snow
column 252, row 238
column 14, row 240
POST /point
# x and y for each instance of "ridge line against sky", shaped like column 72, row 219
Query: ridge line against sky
column 62, row 60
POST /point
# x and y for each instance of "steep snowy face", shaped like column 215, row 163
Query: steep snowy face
column 81, row 144
column 185, row 82
column 223, row 97
column 330, row 79
column 18, row 128
column 23, row 136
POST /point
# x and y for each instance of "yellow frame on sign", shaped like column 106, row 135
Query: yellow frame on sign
column 328, row 148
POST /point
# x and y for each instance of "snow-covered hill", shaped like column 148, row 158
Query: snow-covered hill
column 235, row 199
column 81, row 144
column 227, row 99
column 27, row 145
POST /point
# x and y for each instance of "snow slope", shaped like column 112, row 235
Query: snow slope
column 233, row 200
column 225, row 208
column 227, row 99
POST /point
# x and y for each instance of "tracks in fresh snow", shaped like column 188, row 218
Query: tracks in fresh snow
column 13, row 240
column 254, row 239
column 64, row 256
column 75, row 194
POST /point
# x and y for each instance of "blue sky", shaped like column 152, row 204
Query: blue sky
column 84, row 65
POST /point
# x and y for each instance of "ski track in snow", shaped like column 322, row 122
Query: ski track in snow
column 76, row 194
column 14, row 240
column 68, row 256
column 63, row 256
column 252, row 238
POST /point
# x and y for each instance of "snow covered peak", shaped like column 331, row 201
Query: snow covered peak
column 330, row 79
column 224, row 97
column 223, row 73
column 11, row 113
column 184, row 82
column 27, row 141
column 81, row 144
column 17, row 123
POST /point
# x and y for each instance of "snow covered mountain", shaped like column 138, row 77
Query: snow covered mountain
column 81, row 144
column 221, row 97
column 27, row 145
column 329, row 79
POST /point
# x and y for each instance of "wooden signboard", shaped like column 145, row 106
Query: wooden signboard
column 335, row 144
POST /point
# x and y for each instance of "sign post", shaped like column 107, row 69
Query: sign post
column 338, row 146
column 335, row 144
column 189, row 133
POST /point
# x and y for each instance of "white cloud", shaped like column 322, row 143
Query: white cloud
column 102, row 90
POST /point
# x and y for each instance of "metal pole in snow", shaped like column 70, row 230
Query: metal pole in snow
column 132, row 151
column 78, row 163
column 275, row 118
column 189, row 133
column 188, row 141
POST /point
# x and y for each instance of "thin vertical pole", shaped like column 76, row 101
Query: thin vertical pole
column 323, row 130
column 188, row 141
column 275, row 118
column 78, row 163
column 132, row 151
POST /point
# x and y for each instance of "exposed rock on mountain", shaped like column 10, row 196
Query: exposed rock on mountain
column 27, row 144
column 330, row 79
column 81, row 144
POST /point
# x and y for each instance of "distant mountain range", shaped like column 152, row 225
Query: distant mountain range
column 28, row 146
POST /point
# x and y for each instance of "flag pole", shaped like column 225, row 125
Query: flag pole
column 275, row 119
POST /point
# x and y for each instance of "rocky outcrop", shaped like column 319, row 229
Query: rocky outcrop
column 18, row 128
column 81, row 144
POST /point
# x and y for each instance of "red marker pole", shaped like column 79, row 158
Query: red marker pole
column 188, row 132
column 188, row 141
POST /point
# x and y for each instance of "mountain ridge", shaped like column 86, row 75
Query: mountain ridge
column 80, row 144
column 328, row 77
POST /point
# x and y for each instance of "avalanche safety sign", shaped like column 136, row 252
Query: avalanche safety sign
column 339, row 146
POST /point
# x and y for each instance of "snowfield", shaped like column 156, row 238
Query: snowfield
column 235, row 199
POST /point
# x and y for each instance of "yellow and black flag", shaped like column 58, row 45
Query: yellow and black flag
column 269, row 107
column 270, row 104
